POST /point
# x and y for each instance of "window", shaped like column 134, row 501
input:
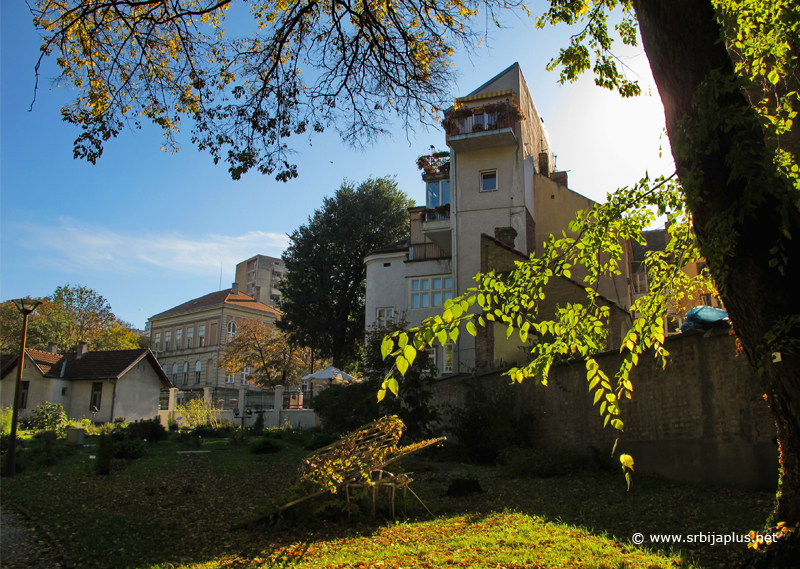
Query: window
column 63, row 391
column 158, row 340
column 23, row 394
column 174, row 374
column 245, row 373
column 448, row 358
column 201, row 335
column 438, row 193
column 251, row 276
column 489, row 181
column 228, row 379
column 432, row 291
column 198, row 367
column 385, row 315
column 431, row 353
column 277, row 276
column 97, row 396
column 167, row 338
column 231, row 331
column 166, row 370
column 189, row 337
column 185, row 373
column 178, row 338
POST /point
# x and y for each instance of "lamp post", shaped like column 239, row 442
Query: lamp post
column 25, row 306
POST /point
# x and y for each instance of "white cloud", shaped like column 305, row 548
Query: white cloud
column 69, row 244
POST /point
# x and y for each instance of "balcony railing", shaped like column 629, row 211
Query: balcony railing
column 439, row 213
column 425, row 252
column 478, row 123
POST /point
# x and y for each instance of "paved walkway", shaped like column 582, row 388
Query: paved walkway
column 24, row 545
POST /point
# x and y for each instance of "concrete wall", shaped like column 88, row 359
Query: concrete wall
column 702, row 419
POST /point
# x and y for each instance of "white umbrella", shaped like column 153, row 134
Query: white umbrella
column 331, row 373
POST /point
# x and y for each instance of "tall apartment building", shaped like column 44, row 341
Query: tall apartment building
column 187, row 339
column 259, row 277
column 495, row 190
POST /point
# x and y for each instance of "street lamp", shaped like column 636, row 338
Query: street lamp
column 25, row 306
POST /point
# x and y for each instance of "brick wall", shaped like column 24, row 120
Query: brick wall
column 702, row 419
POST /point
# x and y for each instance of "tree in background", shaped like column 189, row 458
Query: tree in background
column 324, row 289
column 266, row 353
column 70, row 315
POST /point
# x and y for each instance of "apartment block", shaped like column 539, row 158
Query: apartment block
column 495, row 186
column 259, row 277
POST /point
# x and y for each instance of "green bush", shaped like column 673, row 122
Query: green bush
column 266, row 446
column 319, row 440
column 48, row 417
column 5, row 420
column 130, row 448
column 486, row 423
column 258, row 426
column 149, row 430
column 105, row 452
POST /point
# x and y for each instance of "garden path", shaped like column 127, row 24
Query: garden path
column 23, row 544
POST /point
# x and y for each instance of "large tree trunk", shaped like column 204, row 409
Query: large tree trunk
column 720, row 163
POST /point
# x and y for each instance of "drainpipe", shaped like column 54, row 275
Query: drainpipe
column 113, row 397
column 219, row 341
column 454, row 215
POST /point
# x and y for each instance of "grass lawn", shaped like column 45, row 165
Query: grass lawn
column 170, row 510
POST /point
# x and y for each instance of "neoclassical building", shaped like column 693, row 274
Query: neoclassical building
column 187, row 339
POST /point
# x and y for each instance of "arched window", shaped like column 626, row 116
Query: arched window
column 175, row 374
column 198, row 367
column 231, row 331
column 185, row 373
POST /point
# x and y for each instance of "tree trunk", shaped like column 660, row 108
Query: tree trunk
column 724, row 161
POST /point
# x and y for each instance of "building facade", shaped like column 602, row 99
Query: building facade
column 498, row 180
column 260, row 278
column 101, row 385
column 187, row 339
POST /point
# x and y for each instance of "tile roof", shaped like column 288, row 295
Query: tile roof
column 218, row 298
column 108, row 364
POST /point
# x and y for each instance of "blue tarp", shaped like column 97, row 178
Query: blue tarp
column 704, row 318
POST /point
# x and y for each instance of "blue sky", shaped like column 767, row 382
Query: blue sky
column 149, row 230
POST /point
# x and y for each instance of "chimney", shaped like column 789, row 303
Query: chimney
column 544, row 164
column 81, row 350
column 505, row 235
column 52, row 347
column 235, row 288
column 559, row 178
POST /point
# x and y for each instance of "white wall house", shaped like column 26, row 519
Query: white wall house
column 118, row 383
column 498, row 180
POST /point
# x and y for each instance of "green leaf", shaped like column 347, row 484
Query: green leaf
column 471, row 328
column 392, row 385
column 410, row 354
column 597, row 395
column 442, row 337
column 509, row 331
column 381, row 395
column 402, row 364
column 386, row 347
column 454, row 335
column 626, row 460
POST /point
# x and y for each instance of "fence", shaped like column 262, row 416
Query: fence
column 295, row 409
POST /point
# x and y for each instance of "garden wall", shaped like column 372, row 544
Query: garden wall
column 702, row 419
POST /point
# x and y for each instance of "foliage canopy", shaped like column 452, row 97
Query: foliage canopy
column 324, row 288
column 72, row 314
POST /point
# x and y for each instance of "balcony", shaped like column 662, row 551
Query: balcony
column 436, row 227
column 476, row 128
column 426, row 252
